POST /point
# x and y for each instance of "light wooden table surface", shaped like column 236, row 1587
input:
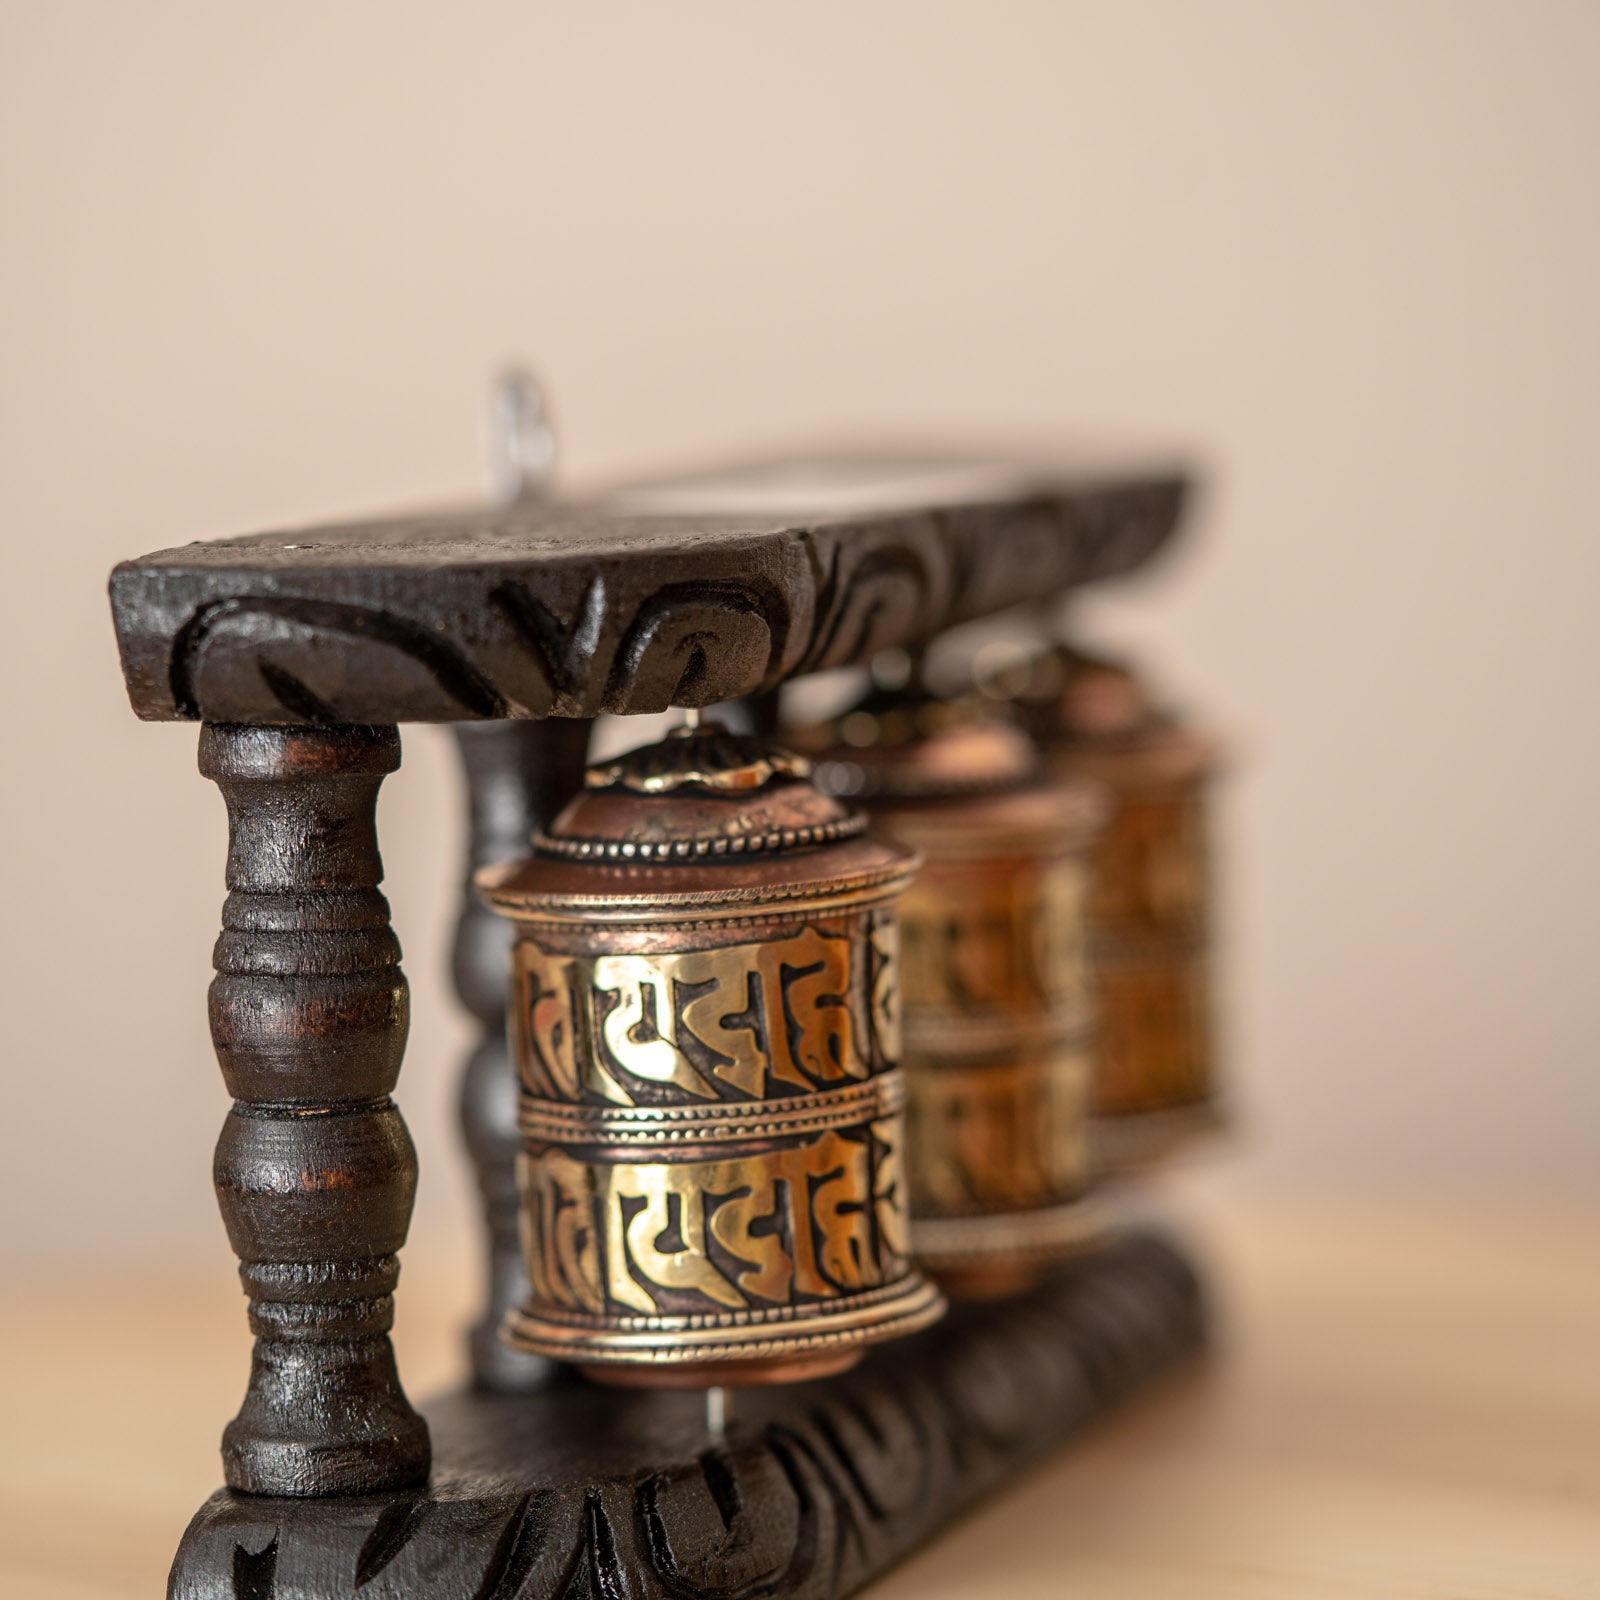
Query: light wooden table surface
column 1405, row 1402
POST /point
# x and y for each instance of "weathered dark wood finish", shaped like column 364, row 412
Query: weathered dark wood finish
column 300, row 652
column 315, row 1171
column 518, row 775
column 592, row 1493
column 651, row 597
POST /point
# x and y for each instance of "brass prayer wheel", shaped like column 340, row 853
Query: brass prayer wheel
column 999, row 1017
column 1149, row 904
column 705, row 1015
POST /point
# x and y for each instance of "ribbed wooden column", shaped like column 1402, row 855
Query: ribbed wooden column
column 315, row 1171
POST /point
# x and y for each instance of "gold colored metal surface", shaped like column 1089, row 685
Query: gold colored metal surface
column 895, row 745
column 992, row 939
column 1149, row 909
column 703, row 1126
column 1153, row 1055
column 702, row 1021
column 987, row 1255
column 998, row 1010
column 712, row 1116
column 810, row 1224
column 1007, row 1135
column 715, row 760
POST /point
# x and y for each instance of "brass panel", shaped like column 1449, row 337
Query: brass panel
column 1154, row 1053
column 811, row 1008
column 1150, row 869
column 713, row 1173
column 999, row 1030
column 1149, row 915
column 1006, row 1135
column 811, row 1221
column 993, row 936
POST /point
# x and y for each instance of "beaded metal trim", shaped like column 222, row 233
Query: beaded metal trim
column 674, row 850
column 694, row 1127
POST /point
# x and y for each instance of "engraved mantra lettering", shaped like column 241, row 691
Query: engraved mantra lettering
column 999, row 1136
column 709, row 1024
column 1151, row 876
column 1004, row 934
column 807, row 1223
column 1154, row 1044
column 885, row 942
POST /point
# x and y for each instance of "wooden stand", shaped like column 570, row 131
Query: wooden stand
column 579, row 1491
column 300, row 653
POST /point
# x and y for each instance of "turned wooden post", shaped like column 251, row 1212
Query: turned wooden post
column 518, row 775
column 315, row 1171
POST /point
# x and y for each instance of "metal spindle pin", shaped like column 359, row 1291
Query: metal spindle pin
column 522, row 448
column 717, row 1413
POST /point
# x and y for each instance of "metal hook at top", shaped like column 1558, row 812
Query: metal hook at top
column 522, row 448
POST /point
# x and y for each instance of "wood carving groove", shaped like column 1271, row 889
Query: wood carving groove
column 562, row 650
column 454, row 674
column 570, row 609
column 300, row 652
column 315, row 1172
column 578, row 1492
column 702, row 638
column 872, row 602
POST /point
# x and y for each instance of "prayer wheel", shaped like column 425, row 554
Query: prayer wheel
column 1149, row 902
column 999, row 1020
column 705, row 1015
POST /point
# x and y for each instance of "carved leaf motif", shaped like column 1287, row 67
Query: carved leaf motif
column 887, row 594
column 322, row 662
column 565, row 652
column 693, row 644
column 578, row 608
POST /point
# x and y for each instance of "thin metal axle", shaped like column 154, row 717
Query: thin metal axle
column 717, row 1413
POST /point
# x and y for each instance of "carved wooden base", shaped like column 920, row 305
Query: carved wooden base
column 583, row 1493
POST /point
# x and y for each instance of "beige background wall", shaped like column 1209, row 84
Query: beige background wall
column 257, row 263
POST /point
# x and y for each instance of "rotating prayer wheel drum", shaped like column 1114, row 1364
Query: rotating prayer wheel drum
column 1150, row 901
column 999, row 1016
column 705, row 1013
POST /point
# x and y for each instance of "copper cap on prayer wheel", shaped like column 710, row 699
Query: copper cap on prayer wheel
column 706, row 1020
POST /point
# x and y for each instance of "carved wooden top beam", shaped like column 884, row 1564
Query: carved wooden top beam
column 675, row 592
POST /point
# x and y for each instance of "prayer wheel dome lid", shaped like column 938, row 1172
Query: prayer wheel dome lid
column 703, row 818
column 1086, row 708
column 894, row 745
column 1063, row 692
column 698, row 793
column 1100, row 699
column 952, row 777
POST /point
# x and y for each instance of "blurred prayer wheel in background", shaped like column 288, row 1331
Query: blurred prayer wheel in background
column 705, row 1016
column 998, row 1016
column 1149, row 904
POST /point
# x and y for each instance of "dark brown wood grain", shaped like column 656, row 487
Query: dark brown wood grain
column 684, row 593
column 518, row 775
column 300, row 651
column 580, row 1493
column 315, row 1172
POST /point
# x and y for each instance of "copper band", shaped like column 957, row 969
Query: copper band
column 693, row 1127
